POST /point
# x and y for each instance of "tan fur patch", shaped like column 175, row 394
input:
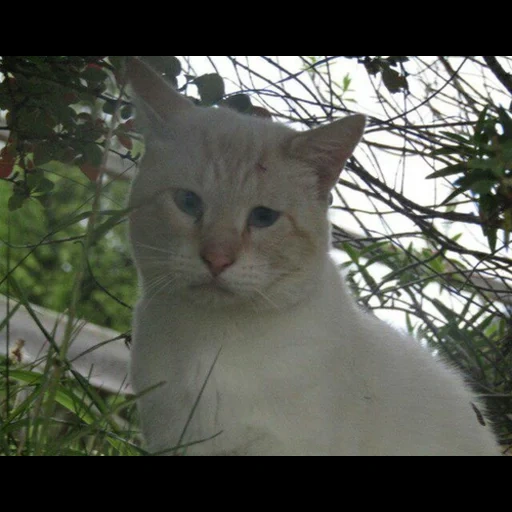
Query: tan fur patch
column 301, row 233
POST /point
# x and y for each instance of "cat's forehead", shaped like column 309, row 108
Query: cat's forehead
column 223, row 131
column 218, row 148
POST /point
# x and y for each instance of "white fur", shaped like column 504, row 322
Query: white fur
column 300, row 369
column 321, row 378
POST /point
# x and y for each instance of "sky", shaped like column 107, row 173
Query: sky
column 406, row 175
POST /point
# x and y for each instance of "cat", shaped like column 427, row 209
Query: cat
column 245, row 338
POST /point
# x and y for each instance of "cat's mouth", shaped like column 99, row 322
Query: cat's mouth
column 213, row 286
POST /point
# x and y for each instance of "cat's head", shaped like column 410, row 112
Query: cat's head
column 229, row 209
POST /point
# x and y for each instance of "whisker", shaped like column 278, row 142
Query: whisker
column 163, row 281
column 153, row 258
column 158, row 249
column 267, row 298
column 152, row 283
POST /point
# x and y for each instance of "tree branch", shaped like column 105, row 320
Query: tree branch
column 504, row 77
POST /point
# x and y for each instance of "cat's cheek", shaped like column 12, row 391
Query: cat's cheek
column 269, row 247
column 304, row 242
column 182, row 225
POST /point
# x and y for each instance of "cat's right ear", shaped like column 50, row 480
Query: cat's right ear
column 328, row 147
column 156, row 97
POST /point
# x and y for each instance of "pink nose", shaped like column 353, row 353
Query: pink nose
column 217, row 261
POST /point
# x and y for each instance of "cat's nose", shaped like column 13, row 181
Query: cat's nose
column 217, row 262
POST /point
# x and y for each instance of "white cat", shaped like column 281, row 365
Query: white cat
column 246, row 340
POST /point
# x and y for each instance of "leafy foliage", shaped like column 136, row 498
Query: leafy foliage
column 486, row 169
column 69, row 123
column 393, row 80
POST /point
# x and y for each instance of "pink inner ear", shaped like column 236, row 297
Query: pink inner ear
column 328, row 147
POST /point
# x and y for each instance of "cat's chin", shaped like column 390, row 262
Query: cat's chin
column 212, row 293
column 216, row 288
column 218, row 296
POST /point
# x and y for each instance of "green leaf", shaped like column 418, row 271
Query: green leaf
column 65, row 397
column 456, row 137
column 34, row 178
column 380, row 258
column 452, row 318
column 239, row 102
column 486, row 322
column 93, row 154
column 482, row 163
column 370, row 281
column 374, row 247
column 447, row 171
column 473, row 176
column 116, row 61
column 454, row 194
column 373, row 66
column 482, row 187
column 210, row 88
column 35, row 122
column 506, row 122
column 45, row 186
column 44, row 152
column 44, row 200
column 346, row 82
column 492, row 237
column 507, row 220
column 63, row 113
column 394, row 81
column 85, row 410
column 459, row 150
column 489, row 213
column 410, row 327
column 476, row 180
column 479, row 126
column 93, row 73
column 172, row 66
column 15, row 202
column 109, row 107
column 5, row 97
column 394, row 60
column 353, row 254
column 169, row 66
column 126, row 112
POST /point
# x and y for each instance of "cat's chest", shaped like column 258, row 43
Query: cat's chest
column 251, row 379
column 230, row 348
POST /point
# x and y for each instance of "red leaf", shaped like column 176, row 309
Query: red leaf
column 90, row 171
column 12, row 83
column 7, row 160
column 100, row 125
column 84, row 116
column 5, row 169
column 70, row 98
column 261, row 112
column 125, row 141
column 68, row 155
column 128, row 125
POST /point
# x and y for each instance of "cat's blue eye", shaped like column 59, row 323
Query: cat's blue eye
column 262, row 217
column 189, row 202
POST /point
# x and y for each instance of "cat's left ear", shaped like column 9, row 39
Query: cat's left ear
column 328, row 148
column 158, row 99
